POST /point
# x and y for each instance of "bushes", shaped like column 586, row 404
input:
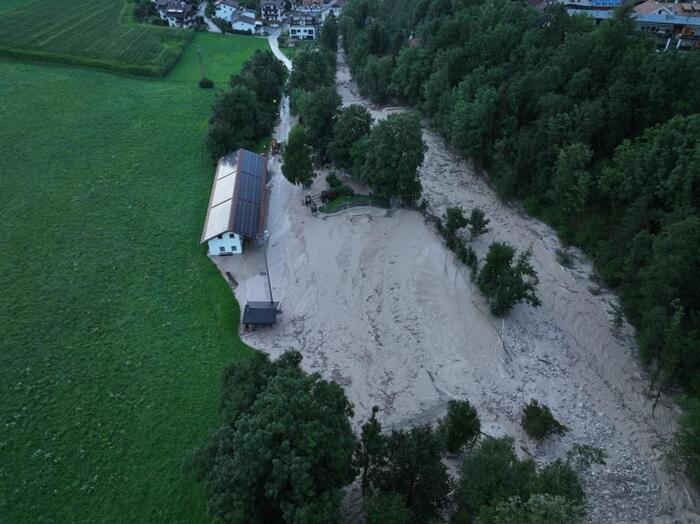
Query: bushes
column 506, row 279
column 539, row 423
column 206, row 83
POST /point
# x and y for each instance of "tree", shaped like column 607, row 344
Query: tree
column 297, row 166
column 491, row 474
column 571, row 183
column 478, row 223
column 461, row 426
column 311, row 70
column 494, row 482
column 370, row 455
column 273, row 463
column 386, row 508
column 415, row 471
column 506, row 280
column 538, row 421
column 234, row 121
column 352, row 124
column 686, row 443
column 538, row 509
column 454, row 220
column 329, row 33
column 318, row 113
column 394, row 152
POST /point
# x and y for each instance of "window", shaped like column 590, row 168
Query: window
column 231, row 235
column 220, row 237
column 234, row 249
column 222, row 249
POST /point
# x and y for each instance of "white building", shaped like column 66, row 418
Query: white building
column 303, row 26
column 225, row 9
column 177, row 14
column 238, row 204
column 244, row 22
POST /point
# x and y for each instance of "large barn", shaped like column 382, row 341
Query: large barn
column 238, row 204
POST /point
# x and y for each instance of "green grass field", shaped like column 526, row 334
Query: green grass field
column 115, row 325
column 93, row 33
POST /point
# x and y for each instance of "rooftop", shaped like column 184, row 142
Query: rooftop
column 238, row 202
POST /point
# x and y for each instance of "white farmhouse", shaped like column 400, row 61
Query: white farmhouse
column 225, row 9
column 244, row 22
column 238, row 204
column 272, row 10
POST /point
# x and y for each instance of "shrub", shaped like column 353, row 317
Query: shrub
column 538, row 421
column 333, row 181
column 206, row 83
column 506, row 280
column 477, row 223
column 461, row 426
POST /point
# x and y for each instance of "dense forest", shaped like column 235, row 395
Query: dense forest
column 587, row 125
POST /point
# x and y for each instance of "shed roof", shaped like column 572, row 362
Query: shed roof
column 259, row 316
column 238, row 202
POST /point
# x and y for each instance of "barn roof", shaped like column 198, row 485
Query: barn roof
column 238, row 202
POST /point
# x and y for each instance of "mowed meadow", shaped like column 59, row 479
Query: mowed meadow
column 98, row 33
column 115, row 325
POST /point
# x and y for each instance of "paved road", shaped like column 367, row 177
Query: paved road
column 274, row 46
column 212, row 27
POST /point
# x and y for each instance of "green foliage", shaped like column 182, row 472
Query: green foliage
column 461, row 426
column 272, row 462
column 329, row 33
column 352, row 124
column 297, row 166
column 478, row 223
column 386, row 508
column 121, row 376
column 415, row 471
column 318, row 114
column 245, row 114
column 538, row 421
column 494, row 482
column 454, row 220
column 407, row 463
column 392, row 155
column 506, row 280
column 686, row 444
column 312, row 69
column 90, row 34
column 538, row 509
column 333, row 181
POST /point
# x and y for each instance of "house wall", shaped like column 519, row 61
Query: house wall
column 243, row 26
column 230, row 242
column 225, row 12
column 302, row 32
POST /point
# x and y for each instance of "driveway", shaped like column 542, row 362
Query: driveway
column 211, row 26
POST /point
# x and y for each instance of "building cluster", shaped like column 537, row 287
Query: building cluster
column 673, row 24
column 302, row 21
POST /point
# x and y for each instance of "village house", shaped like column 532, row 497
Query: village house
column 272, row 10
column 673, row 25
column 303, row 26
column 225, row 9
column 177, row 14
column 238, row 204
column 244, row 22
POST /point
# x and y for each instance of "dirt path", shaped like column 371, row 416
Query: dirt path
column 376, row 302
